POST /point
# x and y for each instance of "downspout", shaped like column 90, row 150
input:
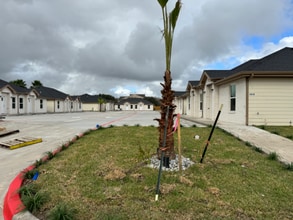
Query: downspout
column 247, row 101
column 202, row 92
column 247, row 98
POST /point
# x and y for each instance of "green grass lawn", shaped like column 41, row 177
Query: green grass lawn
column 102, row 176
column 285, row 131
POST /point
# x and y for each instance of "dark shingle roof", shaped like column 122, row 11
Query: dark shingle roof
column 50, row 93
column 3, row 83
column 133, row 101
column 179, row 93
column 86, row 98
column 281, row 60
column 19, row 89
column 218, row 74
column 194, row 82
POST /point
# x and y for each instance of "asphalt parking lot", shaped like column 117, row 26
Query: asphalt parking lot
column 55, row 130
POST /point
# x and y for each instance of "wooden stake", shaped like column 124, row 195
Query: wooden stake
column 179, row 144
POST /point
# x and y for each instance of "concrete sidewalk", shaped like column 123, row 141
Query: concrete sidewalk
column 262, row 139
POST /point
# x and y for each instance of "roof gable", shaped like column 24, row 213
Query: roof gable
column 19, row 89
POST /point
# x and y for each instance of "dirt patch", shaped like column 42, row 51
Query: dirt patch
column 166, row 188
column 185, row 181
column 214, row 190
column 115, row 175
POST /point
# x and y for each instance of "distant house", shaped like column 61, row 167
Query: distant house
column 91, row 103
column 16, row 100
column 59, row 102
column 134, row 102
column 257, row 92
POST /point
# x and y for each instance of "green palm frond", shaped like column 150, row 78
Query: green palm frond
column 169, row 21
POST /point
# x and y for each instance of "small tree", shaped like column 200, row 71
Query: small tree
column 169, row 21
column 19, row 82
column 101, row 101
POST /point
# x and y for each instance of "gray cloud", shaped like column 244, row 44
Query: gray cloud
column 87, row 46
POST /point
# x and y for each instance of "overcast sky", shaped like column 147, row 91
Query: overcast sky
column 115, row 46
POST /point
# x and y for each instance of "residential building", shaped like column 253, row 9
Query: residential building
column 91, row 103
column 257, row 92
column 134, row 102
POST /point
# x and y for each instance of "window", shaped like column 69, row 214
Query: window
column 13, row 102
column 135, row 106
column 71, row 105
column 149, row 106
column 232, row 97
column 131, row 106
column 21, row 103
column 200, row 101
column 41, row 103
column 58, row 104
column 188, row 102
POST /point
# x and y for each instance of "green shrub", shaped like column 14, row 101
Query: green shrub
column 289, row 166
column 62, row 211
column 258, row 149
column 273, row 156
column 27, row 190
column 49, row 154
column 262, row 127
column 63, row 147
column 38, row 163
column 29, row 174
column 33, row 202
column 248, row 144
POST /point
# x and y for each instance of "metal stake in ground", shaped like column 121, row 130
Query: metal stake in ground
column 212, row 131
column 162, row 155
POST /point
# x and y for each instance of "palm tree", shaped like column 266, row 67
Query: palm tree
column 101, row 101
column 36, row 83
column 169, row 20
column 19, row 82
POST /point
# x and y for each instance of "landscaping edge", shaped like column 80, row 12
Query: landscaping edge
column 13, row 207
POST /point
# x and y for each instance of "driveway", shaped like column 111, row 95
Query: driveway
column 55, row 130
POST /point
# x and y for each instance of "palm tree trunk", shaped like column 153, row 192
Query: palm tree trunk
column 167, row 100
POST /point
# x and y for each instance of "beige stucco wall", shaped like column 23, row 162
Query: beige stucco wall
column 271, row 101
column 178, row 101
column 90, row 107
column 5, row 101
column 239, row 115
column 135, row 107
column 38, row 108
